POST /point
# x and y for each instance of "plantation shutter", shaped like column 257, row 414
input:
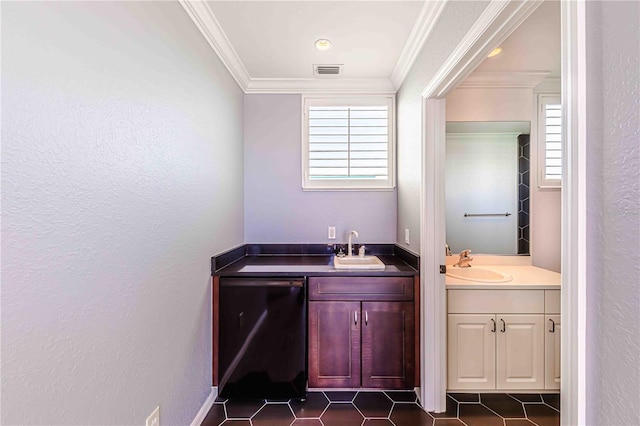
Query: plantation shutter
column 348, row 145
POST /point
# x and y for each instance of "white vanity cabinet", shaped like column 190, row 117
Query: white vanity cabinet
column 552, row 340
column 497, row 340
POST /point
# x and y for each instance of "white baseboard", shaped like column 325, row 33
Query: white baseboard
column 204, row 410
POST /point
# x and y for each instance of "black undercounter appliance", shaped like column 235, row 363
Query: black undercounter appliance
column 262, row 338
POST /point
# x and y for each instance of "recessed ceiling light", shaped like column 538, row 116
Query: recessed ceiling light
column 495, row 52
column 323, row 44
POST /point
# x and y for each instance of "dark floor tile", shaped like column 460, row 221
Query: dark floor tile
column 313, row 406
column 410, row 415
column 377, row 422
column 218, row 399
column 542, row 415
column 552, row 399
column 237, row 423
column 502, row 404
column 448, row 422
column 340, row 396
column 215, row 416
column 465, row 397
column 527, row 397
column 478, row 415
column 307, row 422
column 243, row 409
column 273, row 415
column 373, row 404
column 341, row 415
column 452, row 409
column 518, row 422
column 402, row 396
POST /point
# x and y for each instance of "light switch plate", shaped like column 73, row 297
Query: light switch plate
column 406, row 236
column 331, row 234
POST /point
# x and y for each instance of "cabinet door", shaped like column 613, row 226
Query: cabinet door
column 334, row 344
column 520, row 352
column 471, row 352
column 552, row 352
column 388, row 342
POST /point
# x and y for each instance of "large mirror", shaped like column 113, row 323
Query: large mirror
column 487, row 187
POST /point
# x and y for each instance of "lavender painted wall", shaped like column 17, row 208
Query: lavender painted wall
column 122, row 173
column 613, row 213
column 277, row 210
column 454, row 23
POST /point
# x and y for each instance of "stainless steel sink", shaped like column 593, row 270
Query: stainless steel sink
column 357, row 262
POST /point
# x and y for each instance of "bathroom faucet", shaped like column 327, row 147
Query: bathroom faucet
column 464, row 260
column 350, row 249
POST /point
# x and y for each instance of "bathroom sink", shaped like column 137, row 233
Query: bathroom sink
column 357, row 262
column 478, row 274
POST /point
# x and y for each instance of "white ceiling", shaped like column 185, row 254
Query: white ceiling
column 530, row 54
column 267, row 45
column 274, row 39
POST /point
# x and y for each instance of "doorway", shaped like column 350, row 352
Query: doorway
column 471, row 51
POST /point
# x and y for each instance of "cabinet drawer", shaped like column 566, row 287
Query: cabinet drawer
column 552, row 301
column 361, row 288
column 495, row 301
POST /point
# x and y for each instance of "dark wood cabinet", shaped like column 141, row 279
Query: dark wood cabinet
column 362, row 332
column 388, row 344
column 334, row 344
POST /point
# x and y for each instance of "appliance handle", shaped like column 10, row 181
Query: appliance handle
column 261, row 283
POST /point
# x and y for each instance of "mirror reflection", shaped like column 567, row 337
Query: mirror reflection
column 487, row 187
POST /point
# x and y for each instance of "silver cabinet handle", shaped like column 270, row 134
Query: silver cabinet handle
column 553, row 326
column 493, row 328
column 504, row 326
column 355, row 317
column 366, row 318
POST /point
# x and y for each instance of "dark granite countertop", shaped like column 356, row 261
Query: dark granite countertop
column 243, row 262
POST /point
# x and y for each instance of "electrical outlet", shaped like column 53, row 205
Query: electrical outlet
column 406, row 236
column 332, row 233
column 154, row 418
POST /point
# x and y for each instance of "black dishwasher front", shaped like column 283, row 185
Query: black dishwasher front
column 262, row 338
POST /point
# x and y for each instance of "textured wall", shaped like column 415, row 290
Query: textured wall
column 122, row 173
column 613, row 213
column 455, row 21
column 277, row 210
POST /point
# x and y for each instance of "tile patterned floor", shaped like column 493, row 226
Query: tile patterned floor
column 373, row 408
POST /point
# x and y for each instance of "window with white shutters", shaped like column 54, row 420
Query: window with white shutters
column 550, row 141
column 348, row 143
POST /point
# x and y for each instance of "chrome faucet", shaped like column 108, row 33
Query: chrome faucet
column 464, row 260
column 350, row 248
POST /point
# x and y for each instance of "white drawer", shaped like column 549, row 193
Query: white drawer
column 552, row 301
column 496, row 301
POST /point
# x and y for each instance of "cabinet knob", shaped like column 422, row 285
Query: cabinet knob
column 355, row 317
column 366, row 318
column 553, row 326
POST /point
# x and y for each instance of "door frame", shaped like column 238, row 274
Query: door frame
column 496, row 23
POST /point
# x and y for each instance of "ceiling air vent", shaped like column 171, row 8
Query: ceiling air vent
column 327, row 70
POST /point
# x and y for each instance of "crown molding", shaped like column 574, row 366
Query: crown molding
column 423, row 27
column 319, row 85
column 205, row 20
column 496, row 23
column 203, row 17
column 503, row 80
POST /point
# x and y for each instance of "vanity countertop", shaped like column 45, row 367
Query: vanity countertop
column 294, row 260
column 287, row 266
column 524, row 277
